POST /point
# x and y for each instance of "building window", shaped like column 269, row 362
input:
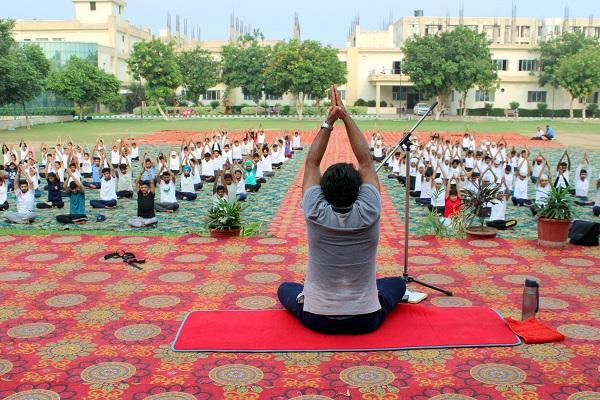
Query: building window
column 58, row 39
column 120, row 10
column 273, row 97
column 399, row 93
column 397, row 67
column 248, row 97
column 528, row 65
column 536, row 96
column 501, row 65
column 524, row 31
column 27, row 40
column 482, row 95
column 212, row 95
column 92, row 6
column 44, row 39
column 123, row 38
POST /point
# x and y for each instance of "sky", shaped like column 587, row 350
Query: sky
column 327, row 21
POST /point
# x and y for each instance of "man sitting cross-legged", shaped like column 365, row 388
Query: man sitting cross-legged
column 342, row 209
column 108, row 190
column 76, row 193
column 25, row 199
column 145, row 208
column 168, row 201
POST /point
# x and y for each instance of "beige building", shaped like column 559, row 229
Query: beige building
column 101, row 33
column 374, row 60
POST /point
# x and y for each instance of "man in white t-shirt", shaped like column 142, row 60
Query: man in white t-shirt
column 124, row 181
column 25, row 200
column 186, row 180
column 498, row 210
column 108, row 190
column 168, row 199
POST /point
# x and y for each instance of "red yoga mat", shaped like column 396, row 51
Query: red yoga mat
column 408, row 327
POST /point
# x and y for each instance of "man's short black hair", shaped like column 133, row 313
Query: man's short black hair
column 105, row 170
column 220, row 187
column 144, row 183
column 96, row 158
column 583, row 171
column 23, row 182
column 340, row 184
column 72, row 185
column 227, row 176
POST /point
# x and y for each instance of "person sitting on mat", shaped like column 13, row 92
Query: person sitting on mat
column 145, row 203
column 168, row 200
column 108, row 192
column 498, row 210
column 25, row 198
column 76, row 193
column 342, row 208
column 54, row 193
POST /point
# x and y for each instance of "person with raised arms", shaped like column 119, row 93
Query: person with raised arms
column 342, row 208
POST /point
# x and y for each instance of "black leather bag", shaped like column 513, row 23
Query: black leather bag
column 584, row 233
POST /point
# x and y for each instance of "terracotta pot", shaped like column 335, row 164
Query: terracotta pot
column 553, row 232
column 475, row 232
column 225, row 234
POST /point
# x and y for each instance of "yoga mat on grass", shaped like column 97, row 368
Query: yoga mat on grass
column 409, row 326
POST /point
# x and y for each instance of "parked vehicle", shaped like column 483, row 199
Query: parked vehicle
column 421, row 109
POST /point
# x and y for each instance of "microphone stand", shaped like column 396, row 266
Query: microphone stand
column 406, row 144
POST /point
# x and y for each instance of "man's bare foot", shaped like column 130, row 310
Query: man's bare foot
column 170, row 211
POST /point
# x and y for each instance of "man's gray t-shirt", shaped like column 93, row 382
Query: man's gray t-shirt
column 341, row 272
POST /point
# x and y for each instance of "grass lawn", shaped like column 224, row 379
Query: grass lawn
column 88, row 132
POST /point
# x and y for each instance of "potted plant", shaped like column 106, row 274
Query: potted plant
column 554, row 218
column 224, row 219
column 475, row 203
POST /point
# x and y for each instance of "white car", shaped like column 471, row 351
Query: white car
column 421, row 109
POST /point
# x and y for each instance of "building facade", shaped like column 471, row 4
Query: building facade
column 99, row 32
column 374, row 59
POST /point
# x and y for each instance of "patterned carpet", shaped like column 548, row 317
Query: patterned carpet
column 74, row 326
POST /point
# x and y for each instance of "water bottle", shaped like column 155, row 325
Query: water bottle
column 531, row 299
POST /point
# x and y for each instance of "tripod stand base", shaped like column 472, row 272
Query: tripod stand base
column 409, row 279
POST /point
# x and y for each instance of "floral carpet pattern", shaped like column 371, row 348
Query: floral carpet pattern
column 76, row 326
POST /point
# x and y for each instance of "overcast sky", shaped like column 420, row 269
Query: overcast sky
column 327, row 21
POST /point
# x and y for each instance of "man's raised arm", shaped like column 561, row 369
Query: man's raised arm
column 312, row 171
column 360, row 147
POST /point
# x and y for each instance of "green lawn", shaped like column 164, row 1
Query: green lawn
column 87, row 132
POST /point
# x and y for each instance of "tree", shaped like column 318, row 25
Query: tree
column 243, row 65
column 199, row 72
column 458, row 59
column 6, row 43
column 551, row 51
column 83, row 83
column 304, row 69
column 470, row 51
column 579, row 74
column 6, row 39
column 155, row 62
column 27, row 70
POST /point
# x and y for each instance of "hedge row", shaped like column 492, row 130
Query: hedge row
column 243, row 110
column 35, row 111
column 499, row 112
